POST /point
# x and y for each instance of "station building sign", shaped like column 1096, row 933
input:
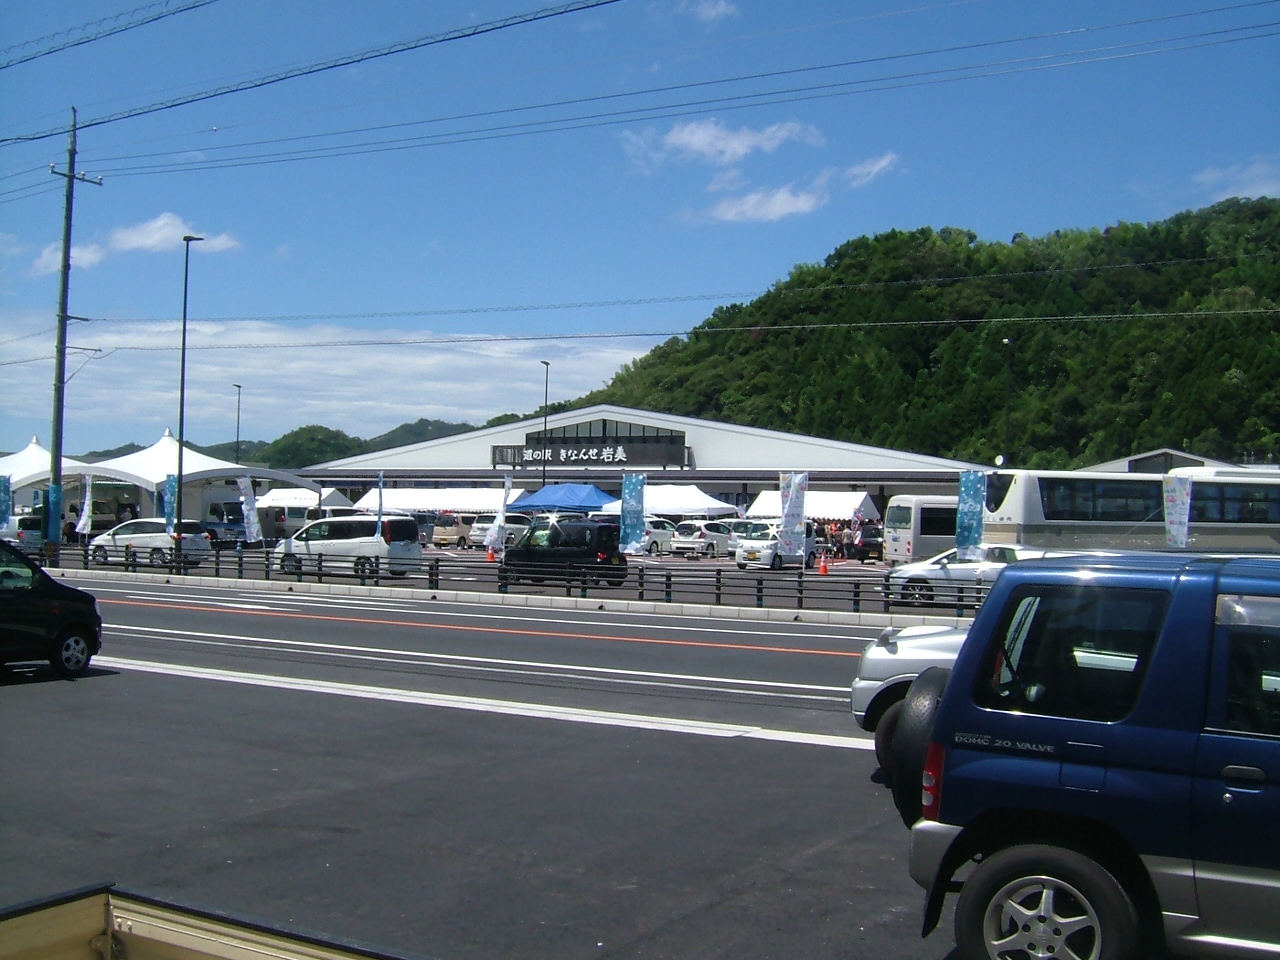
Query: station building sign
column 596, row 443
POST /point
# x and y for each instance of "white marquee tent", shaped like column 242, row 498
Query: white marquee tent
column 818, row 505
column 677, row 500
column 438, row 500
column 303, row 497
column 31, row 465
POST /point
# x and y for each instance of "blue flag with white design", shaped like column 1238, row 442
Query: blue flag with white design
column 632, row 533
column 969, row 504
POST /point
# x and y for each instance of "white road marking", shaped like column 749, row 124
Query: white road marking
column 484, row 705
column 311, row 646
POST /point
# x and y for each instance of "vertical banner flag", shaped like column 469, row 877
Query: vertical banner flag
column 170, row 501
column 249, row 507
column 379, row 499
column 6, row 501
column 53, row 513
column 973, row 495
column 496, row 536
column 85, row 523
column 1177, row 511
column 792, row 487
column 632, row 513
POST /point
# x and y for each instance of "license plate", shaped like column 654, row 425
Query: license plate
column 752, row 555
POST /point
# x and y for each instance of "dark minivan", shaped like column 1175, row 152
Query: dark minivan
column 42, row 619
column 576, row 550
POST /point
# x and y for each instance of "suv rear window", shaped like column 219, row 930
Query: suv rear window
column 404, row 528
column 1252, row 627
column 1076, row 653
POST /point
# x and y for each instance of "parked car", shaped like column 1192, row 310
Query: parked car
column 1099, row 773
column 356, row 545
column 868, row 542
column 44, row 619
column 26, row 533
column 700, row 538
column 451, row 529
column 737, row 530
column 884, row 673
column 583, row 550
column 148, row 541
column 758, row 547
column 948, row 579
column 226, row 520
column 515, row 524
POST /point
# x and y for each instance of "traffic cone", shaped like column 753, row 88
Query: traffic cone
column 491, row 557
column 822, row 564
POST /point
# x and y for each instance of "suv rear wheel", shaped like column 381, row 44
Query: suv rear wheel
column 1044, row 901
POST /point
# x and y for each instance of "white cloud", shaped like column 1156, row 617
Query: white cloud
column 713, row 142
column 290, row 382
column 860, row 174
column 769, row 205
column 711, row 11
column 9, row 245
column 727, row 180
column 158, row 235
column 1261, row 178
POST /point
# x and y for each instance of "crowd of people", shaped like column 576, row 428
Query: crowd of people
column 843, row 538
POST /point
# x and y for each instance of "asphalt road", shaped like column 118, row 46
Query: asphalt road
column 463, row 783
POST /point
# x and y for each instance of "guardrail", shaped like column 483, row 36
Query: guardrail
column 659, row 580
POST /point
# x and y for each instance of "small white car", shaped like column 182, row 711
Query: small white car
column 147, row 541
column 515, row 524
column 657, row 535
column 352, row 545
column 947, row 579
column 700, row 538
column 758, row 547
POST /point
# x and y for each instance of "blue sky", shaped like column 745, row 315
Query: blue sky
column 621, row 169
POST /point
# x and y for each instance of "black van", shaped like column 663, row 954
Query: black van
column 576, row 550
column 42, row 619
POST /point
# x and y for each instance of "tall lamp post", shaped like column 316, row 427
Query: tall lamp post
column 182, row 401
column 1008, row 389
column 237, row 386
column 546, row 440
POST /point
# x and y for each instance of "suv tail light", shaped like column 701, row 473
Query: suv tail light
column 601, row 557
column 386, row 531
column 931, row 781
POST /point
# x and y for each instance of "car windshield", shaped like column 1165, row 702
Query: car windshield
column 761, row 531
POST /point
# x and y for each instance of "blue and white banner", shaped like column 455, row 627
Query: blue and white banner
column 170, row 501
column 792, row 488
column 6, row 501
column 632, row 513
column 249, row 507
column 53, row 513
column 85, row 523
column 1177, row 511
column 380, row 482
column 495, row 538
column 969, row 505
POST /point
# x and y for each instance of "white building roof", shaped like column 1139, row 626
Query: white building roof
column 715, row 446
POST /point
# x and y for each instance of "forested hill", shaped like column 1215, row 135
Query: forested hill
column 1119, row 340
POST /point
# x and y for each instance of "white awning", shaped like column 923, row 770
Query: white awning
column 818, row 505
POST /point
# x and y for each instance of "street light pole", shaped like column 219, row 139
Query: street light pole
column 237, row 386
column 1008, row 389
column 182, row 401
column 546, row 440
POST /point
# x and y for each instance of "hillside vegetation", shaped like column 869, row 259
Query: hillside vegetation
column 1120, row 340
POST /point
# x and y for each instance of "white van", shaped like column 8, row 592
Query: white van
column 352, row 545
column 758, row 546
column 918, row 527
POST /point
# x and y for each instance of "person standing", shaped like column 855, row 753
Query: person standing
column 846, row 541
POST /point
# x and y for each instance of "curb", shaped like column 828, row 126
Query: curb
column 652, row 607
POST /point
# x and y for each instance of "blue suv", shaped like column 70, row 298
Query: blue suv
column 1098, row 776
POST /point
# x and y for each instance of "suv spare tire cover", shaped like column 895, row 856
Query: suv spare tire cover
column 911, row 740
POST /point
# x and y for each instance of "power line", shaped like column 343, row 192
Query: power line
column 671, row 88
column 697, row 331
column 108, row 32
column 734, row 102
column 314, row 68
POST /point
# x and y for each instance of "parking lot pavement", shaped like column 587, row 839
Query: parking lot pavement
column 449, row 833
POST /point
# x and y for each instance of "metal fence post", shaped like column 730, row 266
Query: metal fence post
column 857, row 596
column 640, row 582
column 668, row 586
column 377, row 571
column 130, row 559
column 800, row 589
column 759, row 591
column 319, row 569
column 86, row 553
column 433, row 575
column 719, row 586
column 217, row 559
column 239, row 559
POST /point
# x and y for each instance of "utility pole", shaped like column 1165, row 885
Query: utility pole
column 53, row 502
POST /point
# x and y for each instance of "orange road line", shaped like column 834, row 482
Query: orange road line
column 466, row 628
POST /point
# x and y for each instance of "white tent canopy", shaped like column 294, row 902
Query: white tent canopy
column 438, row 500
column 303, row 497
column 679, row 500
column 150, row 468
column 31, row 465
column 818, row 505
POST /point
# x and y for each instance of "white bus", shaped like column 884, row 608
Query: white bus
column 1233, row 511
column 918, row 527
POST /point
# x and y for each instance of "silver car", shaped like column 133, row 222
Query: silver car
column 148, row 541
column 948, row 579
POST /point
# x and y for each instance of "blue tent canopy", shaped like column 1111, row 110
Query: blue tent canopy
column 565, row 496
